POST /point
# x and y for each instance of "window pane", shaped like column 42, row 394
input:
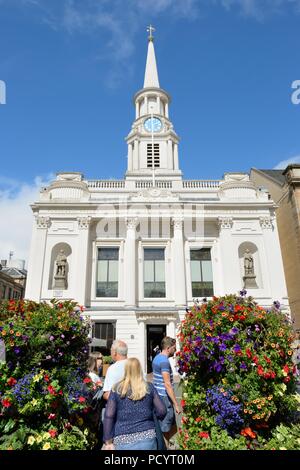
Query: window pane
column 202, row 289
column 196, row 270
column 113, row 271
column 159, row 271
column 154, row 253
column 207, row 271
column 204, row 253
column 154, row 289
column 102, row 271
column 149, row 271
column 108, row 253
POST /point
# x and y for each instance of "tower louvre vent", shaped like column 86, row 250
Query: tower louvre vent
column 153, row 152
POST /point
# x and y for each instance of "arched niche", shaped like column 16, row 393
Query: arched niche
column 256, row 261
column 55, row 250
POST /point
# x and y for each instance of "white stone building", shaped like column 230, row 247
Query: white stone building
column 139, row 250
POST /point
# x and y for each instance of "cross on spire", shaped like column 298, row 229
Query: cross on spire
column 150, row 30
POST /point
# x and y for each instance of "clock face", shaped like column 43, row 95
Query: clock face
column 153, row 124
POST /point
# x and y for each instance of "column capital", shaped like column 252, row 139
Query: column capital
column 225, row 222
column 42, row 222
column 177, row 222
column 266, row 222
column 84, row 222
column 131, row 223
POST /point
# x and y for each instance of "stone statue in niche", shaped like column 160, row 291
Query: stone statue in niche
column 249, row 274
column 61, row 276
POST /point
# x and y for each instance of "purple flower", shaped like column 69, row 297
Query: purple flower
column 243, row 293
column 51, row 338
column 62, row 336
column 223, row 347
column 234, row 330
column 48, row 357
column 17, row 350
column 276, row 304
column 243, row 366
column 236, row 348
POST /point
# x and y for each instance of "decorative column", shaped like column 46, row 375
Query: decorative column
column 146, row 104
column 136, row 155
column 82, row 255
column 142, row 343
column 176, row 160
column 130, row 158
column 167, row 110
column 158, row 104
column 130, row 262
column 230, row 268
column 179, row 265
column 37, row 259
column 137, row 108
column 170, row 155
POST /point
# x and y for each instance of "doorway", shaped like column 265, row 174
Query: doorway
column 155, row 333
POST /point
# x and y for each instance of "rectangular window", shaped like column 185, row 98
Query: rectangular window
column 103, row 335
column 201, row 273
column 150, row 150
column 107, row 272
column 154, row 272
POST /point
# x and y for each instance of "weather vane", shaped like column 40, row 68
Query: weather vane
column 150, row 30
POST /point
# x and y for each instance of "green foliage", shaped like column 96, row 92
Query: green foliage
column 240, row 378
column 44, row 390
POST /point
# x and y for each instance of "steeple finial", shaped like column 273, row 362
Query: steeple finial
column 151, row 75
column 150, row 30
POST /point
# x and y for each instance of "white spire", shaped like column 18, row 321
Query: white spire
column 151, row 75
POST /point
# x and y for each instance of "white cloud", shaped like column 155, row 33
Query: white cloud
column 284, row 163
column 16, row 215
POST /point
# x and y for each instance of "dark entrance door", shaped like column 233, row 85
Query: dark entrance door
column 155, row 333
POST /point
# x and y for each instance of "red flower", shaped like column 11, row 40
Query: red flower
column 260, row 370
column 52, row 416
column 46, row 378
column 286, row 379
column 182, row 403
column 247, row 432
column 249, row 353
column 60, row 305
column 286, row 369
column 6, row 403
column 198, row 419
column 52, row 432
column 204, row 435
column 87, row 380
column 81, row 400
column 11, row 381
column 51, row 390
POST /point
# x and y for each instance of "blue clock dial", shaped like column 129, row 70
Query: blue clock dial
column 153, row 124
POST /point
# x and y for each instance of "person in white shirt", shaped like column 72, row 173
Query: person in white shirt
column 93, row 368
column 116, row 371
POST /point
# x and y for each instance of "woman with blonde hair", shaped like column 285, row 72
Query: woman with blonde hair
column 94, row 363
column 128, row 420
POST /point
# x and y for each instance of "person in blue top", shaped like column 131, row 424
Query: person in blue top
column 163, row 382
column 128, row 420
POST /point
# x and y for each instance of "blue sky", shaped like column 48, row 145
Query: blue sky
column 71, row 68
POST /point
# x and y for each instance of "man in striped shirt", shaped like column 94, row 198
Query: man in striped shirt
column 163, row 382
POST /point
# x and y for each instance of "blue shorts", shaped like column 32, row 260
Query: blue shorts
column 168, row 421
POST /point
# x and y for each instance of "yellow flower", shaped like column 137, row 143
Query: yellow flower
column 272, row 345
column 11, row 332
column 31, row 440
column 36, row 378
column 224, row 381
column 290, row 353
column 34, row 402
column 39, row 439
column 3, row 333
column 46, row 446
column 46, row 436
column 259, row 407
column 18, row 333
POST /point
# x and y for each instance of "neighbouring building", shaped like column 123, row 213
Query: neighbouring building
column 284, row 189
column 12, row 279
column 137, row 251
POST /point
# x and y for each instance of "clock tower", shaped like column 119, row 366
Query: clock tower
column 152, row 141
